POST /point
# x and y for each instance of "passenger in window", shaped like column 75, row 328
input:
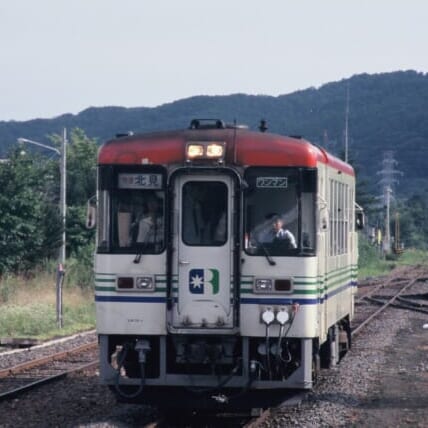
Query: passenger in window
column 220, row 230
column 150, row 225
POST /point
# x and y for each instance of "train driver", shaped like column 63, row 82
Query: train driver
column 278, row 233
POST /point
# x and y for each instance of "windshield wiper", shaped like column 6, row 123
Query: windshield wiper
column 269, row 258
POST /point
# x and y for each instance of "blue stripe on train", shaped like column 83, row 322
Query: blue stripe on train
column 244, row 300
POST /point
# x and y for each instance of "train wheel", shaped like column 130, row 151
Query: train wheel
column 344, row 338
column 316, row 367
column 329, row 350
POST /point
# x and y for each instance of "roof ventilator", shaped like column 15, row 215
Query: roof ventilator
column 207, row 124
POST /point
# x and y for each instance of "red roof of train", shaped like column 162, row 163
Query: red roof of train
column 243, row 147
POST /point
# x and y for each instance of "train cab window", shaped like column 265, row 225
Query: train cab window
column 131, row 211
column 138, row 220
column 204, row 213
column 279, row 212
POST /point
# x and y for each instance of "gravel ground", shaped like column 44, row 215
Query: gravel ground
column 382, row 382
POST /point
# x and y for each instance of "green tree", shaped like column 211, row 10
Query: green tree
column 23, row 208
column 414, row 221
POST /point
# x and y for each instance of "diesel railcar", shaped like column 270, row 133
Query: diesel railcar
column 199, row 302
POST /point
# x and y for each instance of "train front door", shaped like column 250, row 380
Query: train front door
column 202, row 263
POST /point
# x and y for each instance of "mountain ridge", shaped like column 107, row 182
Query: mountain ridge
column 388, row 112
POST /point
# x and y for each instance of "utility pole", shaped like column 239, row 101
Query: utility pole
column 63, row 194
column 388, row 180
column 63, row 202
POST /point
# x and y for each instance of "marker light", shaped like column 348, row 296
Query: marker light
column 125, row 282
column 282, row 317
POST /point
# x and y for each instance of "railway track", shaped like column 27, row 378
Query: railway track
column 373, row 298
column 31, row 374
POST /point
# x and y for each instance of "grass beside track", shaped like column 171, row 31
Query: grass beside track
column 28, row 308
column 372, row 263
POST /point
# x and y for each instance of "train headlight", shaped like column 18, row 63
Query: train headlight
column 145, row 283
column 195, row 151
column 215, row 151
column 205, row 150
column 262, row 285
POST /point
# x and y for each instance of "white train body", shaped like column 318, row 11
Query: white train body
column 207, row 310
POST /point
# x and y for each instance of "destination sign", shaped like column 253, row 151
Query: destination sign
column 272, row 182
column 140, row 181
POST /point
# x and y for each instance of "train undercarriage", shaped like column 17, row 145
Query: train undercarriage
column 215, row 371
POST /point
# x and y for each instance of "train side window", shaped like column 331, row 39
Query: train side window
column 104, row 220
column 309, row 180
column 308, row 221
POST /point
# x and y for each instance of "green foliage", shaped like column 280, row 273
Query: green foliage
column 413, row 257
column 413, row 221
column 29, row 307
column 23, row 206
column 370, row 259
column 7, row 289
column 81, row 166
column 80, row 271
column 30, row 221
column 38, row 320
column 26, row 321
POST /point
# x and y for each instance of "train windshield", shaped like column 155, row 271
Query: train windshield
column 133, row 204
column 279, row 211
column 139, row 220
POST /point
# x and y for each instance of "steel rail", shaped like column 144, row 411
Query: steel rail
column 45, row 379
column 389, row 281
column 43, row 360
column 387, row 303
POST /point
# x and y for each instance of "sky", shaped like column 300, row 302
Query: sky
column 63, row 56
